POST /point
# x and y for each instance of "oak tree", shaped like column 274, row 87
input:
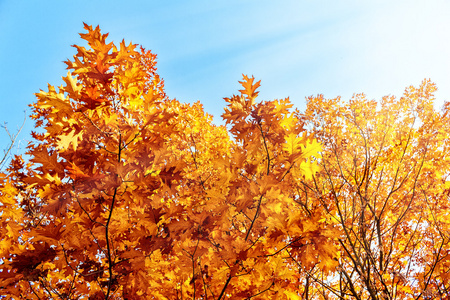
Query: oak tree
column 128, row 194
column 384, row 180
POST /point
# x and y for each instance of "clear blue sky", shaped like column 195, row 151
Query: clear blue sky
column 297, row 48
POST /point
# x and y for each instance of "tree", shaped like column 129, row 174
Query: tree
column 384, row 180
column 131, row 195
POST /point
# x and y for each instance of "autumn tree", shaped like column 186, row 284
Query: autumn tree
column 384, row 180
column 129, row 194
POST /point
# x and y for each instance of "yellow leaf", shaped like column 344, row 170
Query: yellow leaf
column 309, row 168
column 288, row 122
column 71, row 84
column 312, row 148
column 293, row 143
column 65, row 140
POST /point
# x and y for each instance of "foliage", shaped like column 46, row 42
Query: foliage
column 131, row 195
column 385, row 180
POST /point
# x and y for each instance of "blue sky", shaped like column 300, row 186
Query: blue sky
column 297, row 48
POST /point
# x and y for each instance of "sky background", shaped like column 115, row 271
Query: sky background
column 296, row 48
